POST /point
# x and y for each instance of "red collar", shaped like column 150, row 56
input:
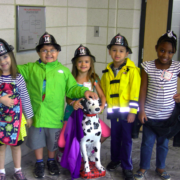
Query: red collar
column 90, row 115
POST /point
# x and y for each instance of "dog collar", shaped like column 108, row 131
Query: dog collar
column 90, row 115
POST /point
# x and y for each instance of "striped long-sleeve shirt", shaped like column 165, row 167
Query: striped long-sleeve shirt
column 26, row 103
column 160, row 91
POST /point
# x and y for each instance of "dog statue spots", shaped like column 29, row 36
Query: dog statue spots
column 92, row 132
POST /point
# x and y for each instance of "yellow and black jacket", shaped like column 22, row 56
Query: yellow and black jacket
column 122, row 91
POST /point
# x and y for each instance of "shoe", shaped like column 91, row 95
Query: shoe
column 128, row 174
column 53, row 168
column 164, row 175
column 139, row 175
column 19, row 175
column 2, row 176
column 39, row 170
column 113, row 165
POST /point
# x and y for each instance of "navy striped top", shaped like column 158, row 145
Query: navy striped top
column 26, row 103
column 159, row 102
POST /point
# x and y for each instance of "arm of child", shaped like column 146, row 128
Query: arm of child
column 143, row 91
column 6, row 100
column 176, row 98
column 76, row 104
column 101, row 95
column 88, row 94
column 29, row 122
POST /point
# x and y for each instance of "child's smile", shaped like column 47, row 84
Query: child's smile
column 5, row 64
column 83, row 63
column 48, row 54
column 165, row 53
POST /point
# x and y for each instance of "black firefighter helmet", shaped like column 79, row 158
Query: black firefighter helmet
column 47, row 39
column 120, row 41
column 5, row 47
column 82, row 51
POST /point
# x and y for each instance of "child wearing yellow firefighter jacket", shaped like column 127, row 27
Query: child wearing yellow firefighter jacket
column 121, row 85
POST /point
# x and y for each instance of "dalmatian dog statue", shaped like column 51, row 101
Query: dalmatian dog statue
column 92, row 132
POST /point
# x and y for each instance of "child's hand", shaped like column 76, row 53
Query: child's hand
column 29, row 122
column 131, row 117
column 176, row 98
column 6, row 100
column 92, row 94
column 77, row 105
column 102, row 108
column 142, row 117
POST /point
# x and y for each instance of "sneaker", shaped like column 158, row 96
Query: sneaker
column 39, row 170
column 19, row 175
column 164, row 175
column 2, row 176
column 53, row 168
column 128, row 174
column 113, row 165
column 139, row 175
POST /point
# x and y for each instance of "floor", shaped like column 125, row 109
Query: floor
column 172, row 164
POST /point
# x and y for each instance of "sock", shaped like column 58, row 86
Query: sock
column 2, row 171
column 39, row 160
column 50, row 159
column 17, row 169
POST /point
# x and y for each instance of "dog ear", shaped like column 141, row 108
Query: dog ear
column 83, row 103
column 100, row 103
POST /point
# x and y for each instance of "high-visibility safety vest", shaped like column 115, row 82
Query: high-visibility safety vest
column 122, row 91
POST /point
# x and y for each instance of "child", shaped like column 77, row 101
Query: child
column 157, row 101
column 13, row 98
column 48, row 82
column 121, row 83
column 84, row 73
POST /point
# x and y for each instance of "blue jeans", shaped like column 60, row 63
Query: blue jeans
column 148, row 141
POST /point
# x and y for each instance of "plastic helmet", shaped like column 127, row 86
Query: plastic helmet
column 47, row 39
column 5, row 47
column 82, row 51
column 121, row 41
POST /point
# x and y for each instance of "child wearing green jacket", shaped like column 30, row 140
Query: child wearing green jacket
column 48, row 83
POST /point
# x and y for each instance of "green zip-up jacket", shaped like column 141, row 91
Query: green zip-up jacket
column 59, row 84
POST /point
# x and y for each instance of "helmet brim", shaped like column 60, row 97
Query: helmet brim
column 72, row 60
column 41, row 45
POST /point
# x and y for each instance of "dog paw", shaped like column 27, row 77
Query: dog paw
column 100, row 168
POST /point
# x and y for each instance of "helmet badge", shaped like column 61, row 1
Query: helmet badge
column 2, row 48
column 82, row 51
column 46, row 38
column 118, row 40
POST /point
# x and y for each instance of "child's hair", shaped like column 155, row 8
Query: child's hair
column 13, row 68
column 5, row 48
column 92, row 76
column 168, row 37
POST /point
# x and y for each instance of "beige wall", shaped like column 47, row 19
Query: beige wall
column 72, row 23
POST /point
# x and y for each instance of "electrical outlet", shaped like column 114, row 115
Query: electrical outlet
column 96, row 31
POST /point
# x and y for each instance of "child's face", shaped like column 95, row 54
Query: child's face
column 118, row 54
column 165, row 52
column 48, row 54
column 5, row 64
column 83, row 63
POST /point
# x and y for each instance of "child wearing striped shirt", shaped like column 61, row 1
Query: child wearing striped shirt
column 158, row 95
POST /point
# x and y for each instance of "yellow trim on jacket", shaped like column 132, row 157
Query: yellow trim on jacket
column 127, row 89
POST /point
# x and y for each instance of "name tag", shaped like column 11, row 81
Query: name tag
column 166, row 75
column 88, row 85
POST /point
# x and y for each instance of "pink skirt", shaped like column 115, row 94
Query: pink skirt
column 106, row 132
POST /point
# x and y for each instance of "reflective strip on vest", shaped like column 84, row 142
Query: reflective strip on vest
column 122, row 109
